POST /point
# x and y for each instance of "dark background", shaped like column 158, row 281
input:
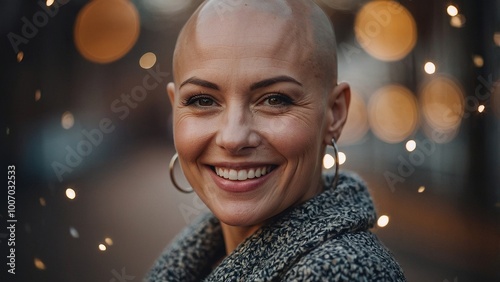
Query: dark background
column 449, row 232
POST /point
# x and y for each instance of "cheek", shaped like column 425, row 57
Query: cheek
column 191, row 136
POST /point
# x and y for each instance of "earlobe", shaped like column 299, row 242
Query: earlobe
column 171, row 92
column 338, row 106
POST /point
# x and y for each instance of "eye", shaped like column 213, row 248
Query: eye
column 199, row 101
column 277, row 100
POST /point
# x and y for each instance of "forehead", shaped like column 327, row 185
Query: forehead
column 245, row 37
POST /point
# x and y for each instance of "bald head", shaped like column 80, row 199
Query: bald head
column 300, row 29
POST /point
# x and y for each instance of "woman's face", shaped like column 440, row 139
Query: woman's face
column 249, row 121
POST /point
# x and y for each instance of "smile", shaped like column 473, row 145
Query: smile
column 242, row 174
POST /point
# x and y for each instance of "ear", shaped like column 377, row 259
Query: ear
column 338, row 106
column 171, row 93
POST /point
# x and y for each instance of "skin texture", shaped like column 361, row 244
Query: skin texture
column 255, row 86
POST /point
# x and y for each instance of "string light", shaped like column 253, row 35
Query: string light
column 478, row 61
column 481, row 108
column 342, row 158
column 457, row 21
column 67, row 120
column 73, row 232
column 108, row 241
column 38, row 95
column 430, row 68
column 42, row 201
column 421, row 189
column 49, row 3
column 102, row 247
column 383, row 221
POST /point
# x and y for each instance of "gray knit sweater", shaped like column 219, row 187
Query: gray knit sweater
column 324, row 239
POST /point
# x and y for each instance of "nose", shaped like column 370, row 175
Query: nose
column 236, row 132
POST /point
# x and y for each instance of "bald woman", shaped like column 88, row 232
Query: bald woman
column 255, row 103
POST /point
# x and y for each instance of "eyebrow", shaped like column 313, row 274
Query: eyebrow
column 261, row 84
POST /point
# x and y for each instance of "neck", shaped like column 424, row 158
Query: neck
column 235, row 235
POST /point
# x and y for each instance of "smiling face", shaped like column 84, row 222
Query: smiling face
column 252, row 112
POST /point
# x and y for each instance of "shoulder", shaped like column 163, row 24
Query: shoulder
column 348, row 257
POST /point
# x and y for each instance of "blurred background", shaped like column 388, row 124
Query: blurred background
column 87, row 124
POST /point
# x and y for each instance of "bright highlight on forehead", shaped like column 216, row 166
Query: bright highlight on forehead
column 297, row 27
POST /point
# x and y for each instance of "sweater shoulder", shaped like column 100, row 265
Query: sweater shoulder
column 356, row 256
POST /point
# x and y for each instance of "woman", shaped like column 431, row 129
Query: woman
column 255, row 103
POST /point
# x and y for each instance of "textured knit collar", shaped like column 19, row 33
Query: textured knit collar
column 277, row 245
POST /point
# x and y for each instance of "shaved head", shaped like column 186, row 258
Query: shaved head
column 300, row 26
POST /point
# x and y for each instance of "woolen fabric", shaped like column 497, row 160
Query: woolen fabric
column 326, row 238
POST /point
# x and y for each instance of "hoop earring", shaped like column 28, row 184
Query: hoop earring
column 336, row 152
column 172, row 177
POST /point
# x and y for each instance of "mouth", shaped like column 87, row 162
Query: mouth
column 242, row 174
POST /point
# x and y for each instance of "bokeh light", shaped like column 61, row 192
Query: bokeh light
column 67, row 120
column 39, row 263
column 442, row 103
column 356, row 125
column 70, row 193
column 342, row 158
column 496, row 38
column 430, row 68
column 73, row 232
column 481, row 108
column 20, row 56
column 328, row 161
column 109, row 241
column 147, row 60
column 421, row 189
column 38, row 95
column 478, row 61
column 452, row 10
column 106, row 30
column 393, row 113
column 457, row 21
column 386, row 30
column 383, row 220
column 102, row 247
column 411, row 145
column 42, row 201
column 49, row 3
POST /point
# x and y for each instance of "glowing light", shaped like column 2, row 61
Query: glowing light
column 457, row 21
column 393, row 113
column 430, row 68
column 383, row 221
column 147, row 60
column 70, row 193
column 102, row 247
column 342, row 158
column 49, row 3
column 411, row 145
column 442, row 103
column 67, row 120
column 105, row 31
column 481, row 108
column 328, row 161
column 73, row 232
column 20, row 56
column 478, row 61
column 496, row 38
column 356, row 125
column 7, row 131
column 38, row 95
column 452, row 10
column 42, row 201
column 39, row 264
column 421, row 189
column 108, row 241
column 386, row 30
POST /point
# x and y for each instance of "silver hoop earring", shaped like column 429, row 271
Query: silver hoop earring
column 336, row 152
column 172, row 177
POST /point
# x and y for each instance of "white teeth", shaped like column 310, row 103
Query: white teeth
column 242, row 174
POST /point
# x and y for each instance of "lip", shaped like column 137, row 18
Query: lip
column 239, row 186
